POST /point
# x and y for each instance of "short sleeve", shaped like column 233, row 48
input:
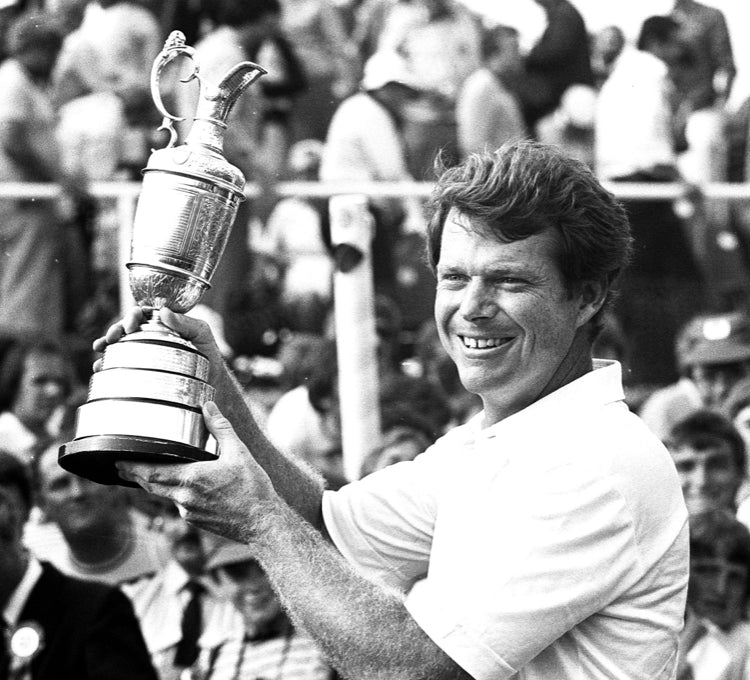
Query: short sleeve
column 383, row 524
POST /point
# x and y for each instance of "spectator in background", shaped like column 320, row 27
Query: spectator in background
column 606, row 47
column 251, row 636
column 90, row 530
column 112, row 51
column 33, row 237
column 560, row 58
column 36, row 378
column 55, row 626
column 365, row 143
column 174, row 605
column 441, row 43
column 713, row 355
column 571, row 125
column 737, row 408
column 305, row 421
column 664, row 285
column 704, row 79
column 298, row 233
column 488, row 112
column 710, row 458
column 715, row 642
column 414, row 413
column 317, row 32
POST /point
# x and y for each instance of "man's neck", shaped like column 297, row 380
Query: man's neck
column 31, row 423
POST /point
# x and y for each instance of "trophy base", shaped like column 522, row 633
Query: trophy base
column 94, row 457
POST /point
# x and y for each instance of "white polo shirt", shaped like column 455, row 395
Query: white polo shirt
column 552, row 544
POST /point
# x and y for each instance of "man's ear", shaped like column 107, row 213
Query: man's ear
column 592, row 295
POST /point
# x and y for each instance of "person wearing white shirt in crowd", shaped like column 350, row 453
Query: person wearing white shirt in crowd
column 35, row 380
column 365, row 143
column 249, row 635
column 715, row 643
column 92, row 531
column 163, row 602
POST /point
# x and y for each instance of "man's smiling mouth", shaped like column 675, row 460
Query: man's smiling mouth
column 482, row 343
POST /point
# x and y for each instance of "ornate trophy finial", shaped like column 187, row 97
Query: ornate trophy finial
column 146, row 401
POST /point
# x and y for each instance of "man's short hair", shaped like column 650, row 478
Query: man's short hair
column 33, row 29
column 14, row 474
column 658, row 29
column 525, row 188
column 719, row 534
column 704, row 429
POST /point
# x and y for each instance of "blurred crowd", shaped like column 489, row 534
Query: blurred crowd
column 373, row 90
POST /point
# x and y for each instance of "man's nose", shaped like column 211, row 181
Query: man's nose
column 698, row 476
column 478, row 300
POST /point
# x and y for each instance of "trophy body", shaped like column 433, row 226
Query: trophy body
column 145, row 402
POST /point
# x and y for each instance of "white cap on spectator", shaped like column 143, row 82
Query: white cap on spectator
column 388, row 67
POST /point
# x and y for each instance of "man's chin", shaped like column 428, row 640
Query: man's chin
column 699, row 505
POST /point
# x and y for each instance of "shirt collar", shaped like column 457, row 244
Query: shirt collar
column 602, row 385
column 20, row 595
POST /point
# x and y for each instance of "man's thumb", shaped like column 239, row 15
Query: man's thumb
column 218, row 425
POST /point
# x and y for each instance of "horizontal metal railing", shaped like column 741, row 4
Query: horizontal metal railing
column 624, row 190
column 125, row 194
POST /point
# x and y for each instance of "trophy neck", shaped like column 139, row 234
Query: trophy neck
column 208, row 132
column 155, row 326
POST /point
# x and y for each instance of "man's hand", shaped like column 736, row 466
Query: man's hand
column 196, row 331
column 228, row 496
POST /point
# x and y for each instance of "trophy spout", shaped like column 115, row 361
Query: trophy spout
column 216, row 103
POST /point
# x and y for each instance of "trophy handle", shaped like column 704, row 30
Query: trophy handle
column 173, row 47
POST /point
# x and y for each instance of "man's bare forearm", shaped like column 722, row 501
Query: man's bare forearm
column 365, row 631
column 299, row 485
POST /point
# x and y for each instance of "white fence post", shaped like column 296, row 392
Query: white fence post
column 125, row 218
column 356, row 340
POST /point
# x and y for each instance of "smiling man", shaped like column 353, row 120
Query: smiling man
column 547, row 537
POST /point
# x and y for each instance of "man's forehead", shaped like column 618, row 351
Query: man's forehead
column 712, row 449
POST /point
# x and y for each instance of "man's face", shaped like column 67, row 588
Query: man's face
column 709, row 477
column 717, row 590
column 505, row 317
column 187, row 545
column 42, row 389
column 742, row 423
column 715, row 381
column 74, row 503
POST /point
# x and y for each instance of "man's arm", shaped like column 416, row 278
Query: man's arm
column 365, row 631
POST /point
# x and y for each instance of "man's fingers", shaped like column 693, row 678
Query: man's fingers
column 130, row 323
column 187, row 327
column 148, row 475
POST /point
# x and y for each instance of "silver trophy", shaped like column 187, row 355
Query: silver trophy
column 145, row 403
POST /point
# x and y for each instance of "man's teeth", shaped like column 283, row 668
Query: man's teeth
column 482, row 343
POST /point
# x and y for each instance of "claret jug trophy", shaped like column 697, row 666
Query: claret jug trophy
column 145, row 402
